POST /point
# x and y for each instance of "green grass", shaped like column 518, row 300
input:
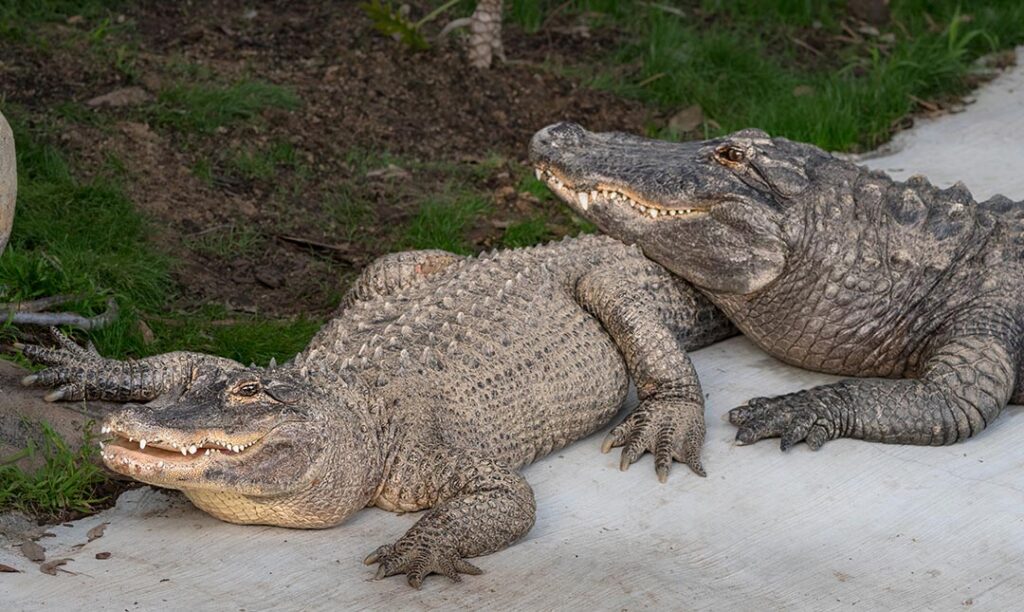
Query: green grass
column 205, row 107
column 442, row 221
column 262, row 164
column 228, row 241
column 351, row 215
column 738, row 60
column 245, row 339
column 67, row 479
column 527, row 233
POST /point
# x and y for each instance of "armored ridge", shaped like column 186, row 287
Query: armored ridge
column 827, row 266
column 439, row 379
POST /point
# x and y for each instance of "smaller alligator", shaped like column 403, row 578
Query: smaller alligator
column 827, row 266
column 439, row 378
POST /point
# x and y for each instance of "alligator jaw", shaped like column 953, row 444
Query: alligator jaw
column 163, row 454
column 613, row 196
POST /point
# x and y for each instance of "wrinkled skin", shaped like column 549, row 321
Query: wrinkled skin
column 827, row 266
column 438, row 379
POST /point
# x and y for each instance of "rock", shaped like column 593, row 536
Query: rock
column 22, row 409
column 389, row 172
column 126, row 96
column 270, row 279
column 687, row 120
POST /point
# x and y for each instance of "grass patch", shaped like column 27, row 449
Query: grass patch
column 743, row 62
column 350, row 214
column 67, row 480
column 264, row 163
column 442, row 222
column 226, row 241
column 527, row 233
column 215, row 331
column 79, row 237
column 204, row 108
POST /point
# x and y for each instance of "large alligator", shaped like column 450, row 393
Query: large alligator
column 827, row 266
column 438, row 379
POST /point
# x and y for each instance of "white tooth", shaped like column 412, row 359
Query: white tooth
column 643, row 209
column 160, row 464
column 207, row 452
column 184, row 451
column 192, row 449
column 142, row 443
column 104, row 429
column 653, row 213
column 584, row 200
column 102, row 445
column 593, row 195
column 538, row 173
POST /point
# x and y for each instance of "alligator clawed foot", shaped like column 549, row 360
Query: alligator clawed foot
column 793, row 418
column 67, row 361
column 671, row 430
column 418, row 559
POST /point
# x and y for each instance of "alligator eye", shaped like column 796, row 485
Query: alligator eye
column 248, row 389
column 733, row 155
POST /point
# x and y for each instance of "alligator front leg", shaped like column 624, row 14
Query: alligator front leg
column 669, row 421
column 963, row 387
column 479, row 506
column 80, row 373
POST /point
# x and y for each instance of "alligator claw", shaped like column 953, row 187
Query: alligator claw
column 418, row 559
column 671, row 430
column 793, row 418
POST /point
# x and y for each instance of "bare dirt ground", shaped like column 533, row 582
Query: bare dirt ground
column 365, row 102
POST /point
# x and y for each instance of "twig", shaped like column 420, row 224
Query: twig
column 321, row 246
column 651, row 79
column 666, row 8
column 800, row 43
column 65, row 318
column 434, row 13
column 38, row 305
column 455, row 24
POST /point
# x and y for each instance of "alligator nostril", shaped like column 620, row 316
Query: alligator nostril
column 566, row 132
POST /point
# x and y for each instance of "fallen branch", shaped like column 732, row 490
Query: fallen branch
column 71, row 319
column 38, row 305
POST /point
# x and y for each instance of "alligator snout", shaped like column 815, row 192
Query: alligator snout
column 564, row 135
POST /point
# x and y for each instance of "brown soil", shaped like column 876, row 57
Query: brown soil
column 361, row 93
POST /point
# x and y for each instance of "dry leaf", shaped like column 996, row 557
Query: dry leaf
column 102, row 555
column 686, row 120
column 96, row 532
column 50, row 567
column 7, row 569
column 33, row 551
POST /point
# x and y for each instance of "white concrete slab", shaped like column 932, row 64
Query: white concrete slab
column 983, row 146
column 856, row 524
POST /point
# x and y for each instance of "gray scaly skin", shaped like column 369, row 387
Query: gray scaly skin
column 827, row 266
column 440, row 378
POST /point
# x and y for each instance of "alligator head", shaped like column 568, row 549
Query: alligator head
column 252, row 446
column 713, row 212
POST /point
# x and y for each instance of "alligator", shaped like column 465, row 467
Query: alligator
column 827, row 266
column 439, row 377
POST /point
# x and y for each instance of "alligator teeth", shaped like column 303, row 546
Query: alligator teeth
column 192, row 449
column 142, row 443
column 105, row 429
column 538, row 173
column 584, row 199
column 184, row 451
